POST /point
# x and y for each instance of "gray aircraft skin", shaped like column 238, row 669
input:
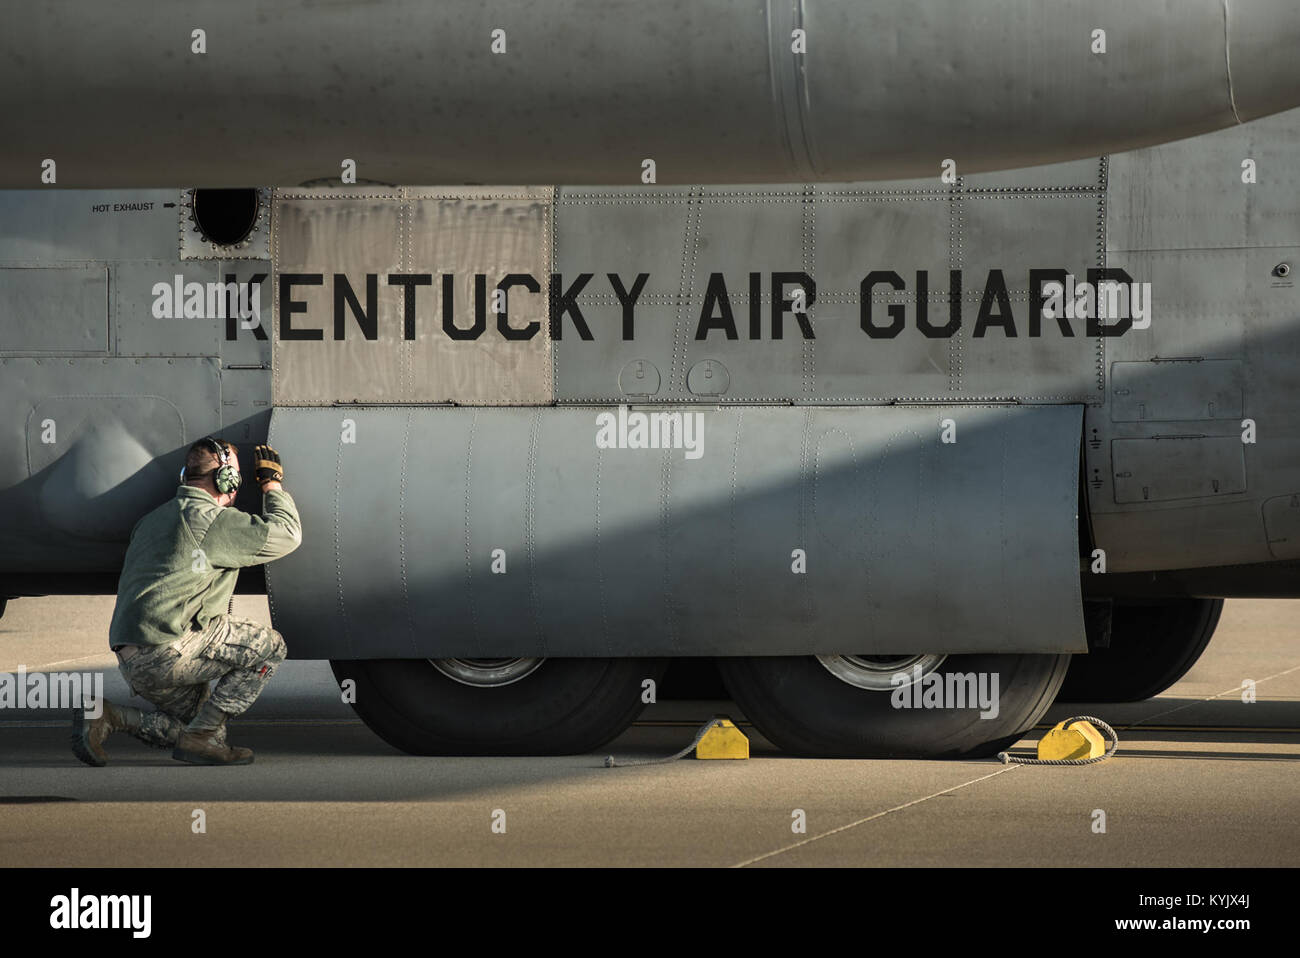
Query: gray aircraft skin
column 835, row 437
column 583, row 91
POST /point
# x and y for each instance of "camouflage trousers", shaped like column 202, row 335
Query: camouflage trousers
column 241, row 655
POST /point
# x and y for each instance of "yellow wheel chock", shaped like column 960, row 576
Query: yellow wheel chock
column 718, row 738
column 723, row 740
column 1076, row 741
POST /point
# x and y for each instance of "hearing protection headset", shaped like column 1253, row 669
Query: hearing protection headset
column 225, row 477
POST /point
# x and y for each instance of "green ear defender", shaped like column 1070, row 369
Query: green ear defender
column 225, row 477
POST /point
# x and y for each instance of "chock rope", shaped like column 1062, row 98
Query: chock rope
column 611, row 762
column 1007, row 758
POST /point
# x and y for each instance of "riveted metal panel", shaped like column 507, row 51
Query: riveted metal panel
column 743, row 231
column 54, row 310
column 626, row 231
column 1220, row 351
column 321, row 233
column 456, row 232
column 498, row 233
column 1193, row 196
column 795, row 530
column 737, row 233
column 838, row 235
column 857, row 230
column 1005, row 231
column 1001, row 231
column 903, row 227
column 138, row 332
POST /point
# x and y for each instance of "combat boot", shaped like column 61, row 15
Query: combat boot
column 88, row 734
column 208, row 747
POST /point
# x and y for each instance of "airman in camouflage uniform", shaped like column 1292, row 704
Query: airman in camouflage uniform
column 172, row 629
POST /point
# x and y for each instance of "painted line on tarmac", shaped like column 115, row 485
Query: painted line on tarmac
column 1279, row 729
column 49, row 666
column 871, row 818
column 1235, row 689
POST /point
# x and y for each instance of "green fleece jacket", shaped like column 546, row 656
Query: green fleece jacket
column 184, row 557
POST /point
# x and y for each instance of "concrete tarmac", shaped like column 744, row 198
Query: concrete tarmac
column 1201, row 779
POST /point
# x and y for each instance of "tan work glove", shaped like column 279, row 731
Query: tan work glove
column 266, row 465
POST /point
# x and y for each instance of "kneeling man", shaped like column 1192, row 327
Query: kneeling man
column 172, row 629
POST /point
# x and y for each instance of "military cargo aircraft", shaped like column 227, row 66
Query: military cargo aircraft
column 916, row 361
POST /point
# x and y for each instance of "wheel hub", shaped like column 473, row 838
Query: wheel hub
column 487, row 673
column 876, row 672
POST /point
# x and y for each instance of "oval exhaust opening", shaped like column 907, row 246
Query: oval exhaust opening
column 226, row 217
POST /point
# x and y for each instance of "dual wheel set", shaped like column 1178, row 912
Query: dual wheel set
column 827, row 706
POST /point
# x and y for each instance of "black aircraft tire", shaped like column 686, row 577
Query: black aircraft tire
column 565, row 707
column 1152, row 646
column 803, row 709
